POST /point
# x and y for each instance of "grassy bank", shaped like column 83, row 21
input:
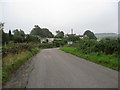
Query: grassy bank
column 109, row 61
column 13, row 61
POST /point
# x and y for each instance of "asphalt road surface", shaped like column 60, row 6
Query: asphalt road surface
column 56, row 69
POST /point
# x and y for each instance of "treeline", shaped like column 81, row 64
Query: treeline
column 17, row 41
column 35, row 35
column 19, row 36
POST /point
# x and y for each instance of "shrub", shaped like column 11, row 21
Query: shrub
column 104, row 46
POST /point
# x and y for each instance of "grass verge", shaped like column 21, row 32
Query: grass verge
column 13, row 61
column 105, row 60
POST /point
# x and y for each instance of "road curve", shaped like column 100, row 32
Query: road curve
column 56, row 69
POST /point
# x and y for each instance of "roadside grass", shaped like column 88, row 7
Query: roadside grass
column 109, row 61
column 0, row 65
column 13, row 61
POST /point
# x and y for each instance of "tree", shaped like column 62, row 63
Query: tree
column 10, row 35
column 19, row 33
column 73, row 38
column 4, row 38
column 47, row 33
column 60, row 34
column 30, row 38
column 22, row 33
column 18, row 39
column 42, row 32
column 1, row 26
column 16, row 32
column 1, row 31
column 90, row 35
column 19, row 36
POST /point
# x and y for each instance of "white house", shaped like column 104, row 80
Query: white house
column 50, row 40
column 69, row 42
column 43, row 40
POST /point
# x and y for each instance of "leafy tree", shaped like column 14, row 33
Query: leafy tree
column 90, row 35
column 19, row 33
column 60, row 34
column 47, row 33
column 16, row 32
column 18, row 39
column 30, row 38
column 4, row 38
column 42, row 32
column 73, row 38
column 22, row 33
column 19, row 36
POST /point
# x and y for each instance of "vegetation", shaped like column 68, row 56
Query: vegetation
column 104, row 52
column 19, row 47
column 42, row 32
column 13, row 61
column 106, row 60
column 73, row 38
column 60, row 34
column 30, row 38
column 103, row 46
column 90, row 35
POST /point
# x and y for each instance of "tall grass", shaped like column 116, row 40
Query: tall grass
column 13, row 61
column 106, row 60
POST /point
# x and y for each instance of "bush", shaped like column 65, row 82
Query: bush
column 99, row 58
column 30, row 38
column 47, row 45
column 59, row 43
column 18, row 39
column 104, row 46
column 16, row 48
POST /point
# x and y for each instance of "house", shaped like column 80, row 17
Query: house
column 50, row 40
column 43, row 40
column 81, row 36
column 70, row 42
column 67, row 35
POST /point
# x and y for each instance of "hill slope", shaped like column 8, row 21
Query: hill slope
column 106, row 35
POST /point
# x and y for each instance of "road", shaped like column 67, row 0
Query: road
column 56, row 69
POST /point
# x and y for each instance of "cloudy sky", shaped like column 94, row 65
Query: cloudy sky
column 99, row 16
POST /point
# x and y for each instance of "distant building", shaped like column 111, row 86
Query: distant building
column 69, row 42
column 81, row 36
column 50, row 40
column 72, row 34
column 67, row 35
column 43, row 40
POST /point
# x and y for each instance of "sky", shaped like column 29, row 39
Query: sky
column 99, row 16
